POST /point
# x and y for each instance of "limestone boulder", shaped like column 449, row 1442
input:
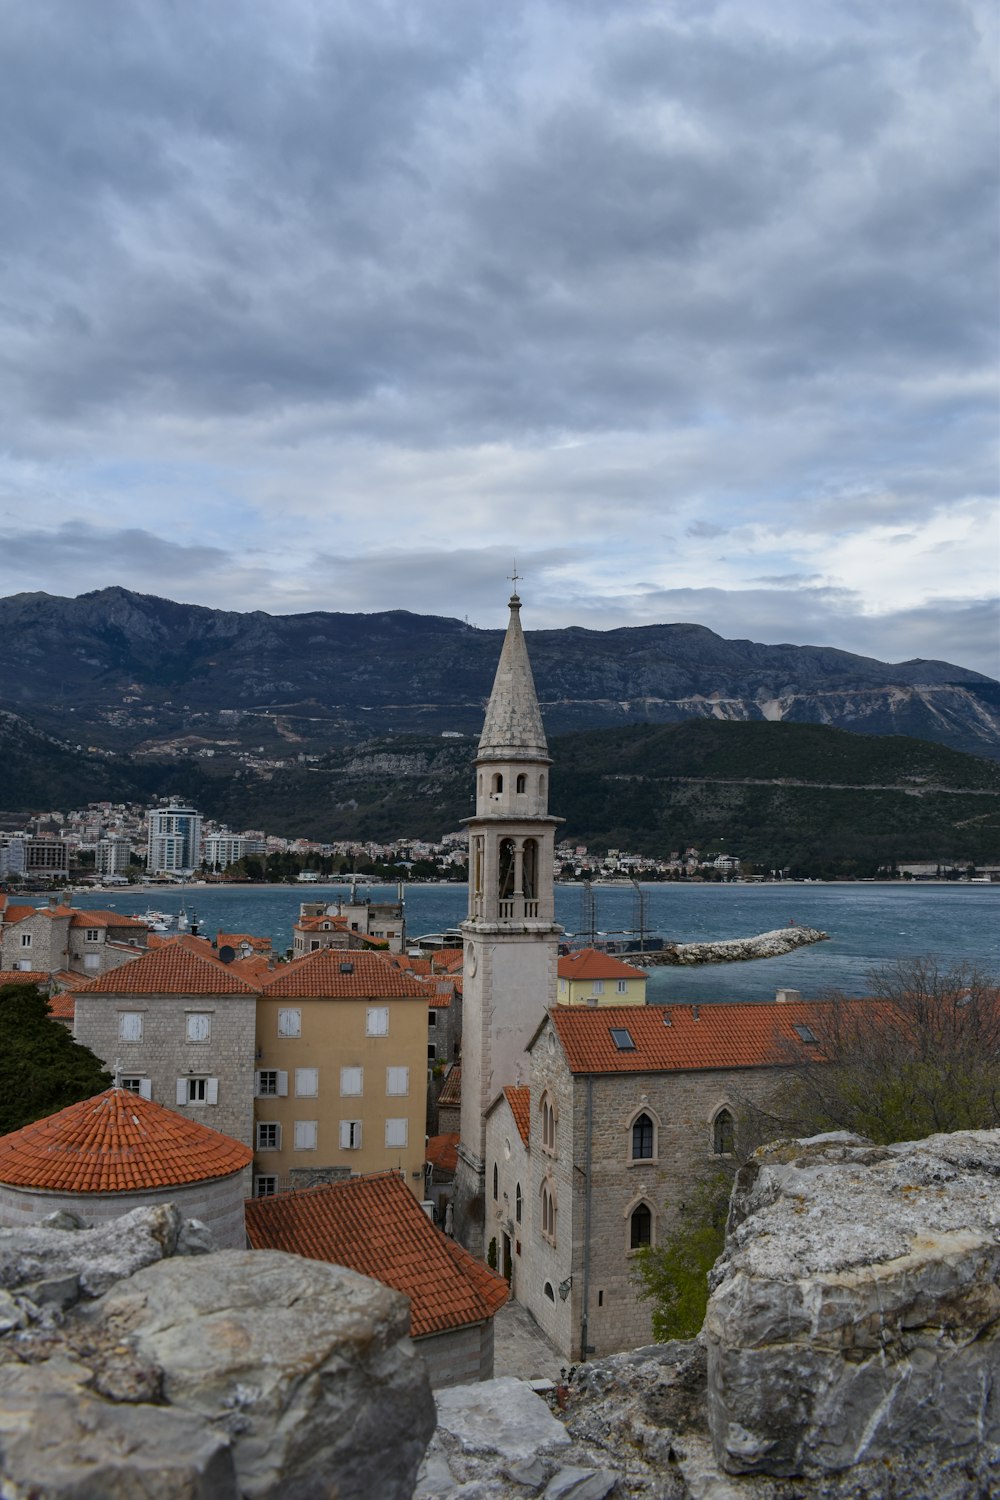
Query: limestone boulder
column 96, row 1257
column 307, row 1367
column 855, row 1316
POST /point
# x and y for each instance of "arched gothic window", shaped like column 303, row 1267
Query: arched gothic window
column 548, row 1114
column 723, row 1133
column 496, row 1181
column 643, row 1135
column 522, row 783
column 640, row 1227
column 518, row 1204
column 541, row 786
column 548, row 1213
column 497, row 782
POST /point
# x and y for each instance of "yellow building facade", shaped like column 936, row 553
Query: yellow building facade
column 589, row 977
column 341, row 1072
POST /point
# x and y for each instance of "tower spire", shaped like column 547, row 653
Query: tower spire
column 513, row 726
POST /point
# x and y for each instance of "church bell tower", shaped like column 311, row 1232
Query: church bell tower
column 510, row 934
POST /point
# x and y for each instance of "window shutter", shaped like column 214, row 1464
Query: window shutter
column 282, row 1082
column 182, row 1091
column 345, row 1135
column 211, row 1091
column 256, row 1084
column 145, row 1088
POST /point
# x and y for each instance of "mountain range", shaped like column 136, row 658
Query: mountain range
column 129, row 672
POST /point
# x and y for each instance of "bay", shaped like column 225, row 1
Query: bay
column 869, row 924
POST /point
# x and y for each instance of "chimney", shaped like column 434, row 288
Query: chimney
column 787, row 997
column 53, row 902
column 668, row 1019
column 694, row 1013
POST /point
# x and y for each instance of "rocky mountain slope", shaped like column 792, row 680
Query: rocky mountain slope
column 139, row 670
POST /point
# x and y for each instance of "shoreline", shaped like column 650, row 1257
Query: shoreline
column 189, row 892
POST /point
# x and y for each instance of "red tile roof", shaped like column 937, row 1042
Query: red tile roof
column 104, row 919
column 62, row 1006
column 194, row 941
column 23, row 976
column 451, row 1089
column 117, row 1143
column 321, row 975
column 14, row 914
column 173, row 969
column 375, row 1225
column 519, row 1100
column 236, row 939
column 588, row 963
column 442, row 1150
column 254, row 969
column 722, row 1036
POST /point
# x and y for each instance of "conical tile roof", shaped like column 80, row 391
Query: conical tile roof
column 117, row 1142
column 513, row 728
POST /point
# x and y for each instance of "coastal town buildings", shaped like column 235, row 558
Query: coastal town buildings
column 174, row 840
column 589, row 977
column 376, row 1227
column 179, row 1027
column 340, row 1075
column 118, row 1151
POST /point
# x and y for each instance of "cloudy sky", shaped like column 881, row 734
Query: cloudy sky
column 689, row 306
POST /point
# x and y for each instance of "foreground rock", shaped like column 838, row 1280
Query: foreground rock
column 850, row 1352
column 855, row 1317
column 237, row 1374
column 736, row 950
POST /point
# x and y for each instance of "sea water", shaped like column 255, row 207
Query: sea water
column 869, row 924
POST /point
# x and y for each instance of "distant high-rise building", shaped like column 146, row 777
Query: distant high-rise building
column 112, row 855
column 222, row 849
column 174, row 840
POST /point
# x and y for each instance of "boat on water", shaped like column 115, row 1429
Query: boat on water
column 157, row 921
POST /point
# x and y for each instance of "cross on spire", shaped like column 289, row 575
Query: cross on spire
column 515, row 577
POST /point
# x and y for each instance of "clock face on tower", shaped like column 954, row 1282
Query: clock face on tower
column 470, row 959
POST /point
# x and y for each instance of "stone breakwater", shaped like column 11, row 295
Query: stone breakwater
column 733, row 950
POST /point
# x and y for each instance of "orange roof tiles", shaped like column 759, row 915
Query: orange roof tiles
column 23, row 976
column 451, row 1089
column 192, row 940
column 442, row 1150
column 104, row 919
column 173, row 969
column 14, row 914
column 331, row 973
column 375, row 1225
column 117, row 1143
column 519, row 1100
column 253, row 969
column 589, row 963
column 707, row 1036
column 237, row 939
column 62, row 1006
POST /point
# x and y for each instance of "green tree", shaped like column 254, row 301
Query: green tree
column 674, row 1275
column 921, row 1057
column 42, row 1069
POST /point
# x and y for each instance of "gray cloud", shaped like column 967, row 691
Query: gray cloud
column 649, row 277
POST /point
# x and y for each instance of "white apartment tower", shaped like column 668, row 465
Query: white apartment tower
column 174, row 840
column 511, row 936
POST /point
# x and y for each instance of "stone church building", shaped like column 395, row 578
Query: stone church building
column 583, row 1127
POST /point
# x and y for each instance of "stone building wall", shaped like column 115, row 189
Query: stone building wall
column 459, row 1357
column 507, row 1152
column 164, row 1055
column 545, row 1264
column 683, row 1107
column 48, row 949
column 217, row 1202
